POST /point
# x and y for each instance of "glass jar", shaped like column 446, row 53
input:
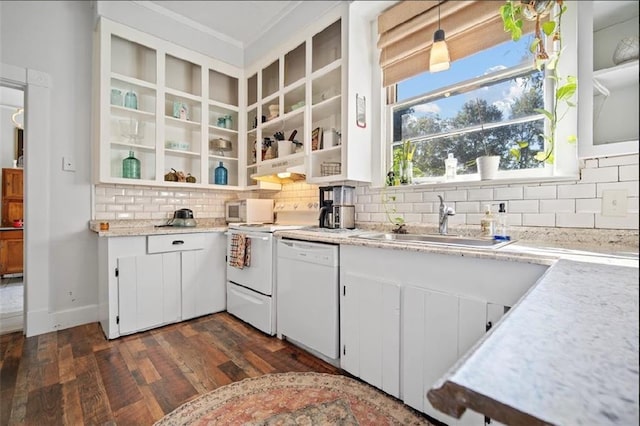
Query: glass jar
column 406, row 172
column 131, row 167
column 220, row 174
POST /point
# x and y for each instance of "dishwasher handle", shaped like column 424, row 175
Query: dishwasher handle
column 318, row 253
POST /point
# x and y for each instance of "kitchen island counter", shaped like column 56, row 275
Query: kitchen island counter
column 567, row 353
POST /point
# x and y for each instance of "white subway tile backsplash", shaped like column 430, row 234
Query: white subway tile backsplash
column 371, row 208
column 629, row 172
column 467, row 207
column 602, row 174
column 110, row 191
column 124, row 200
column 578, row 190
column 508, row 193
column 458, row 195
column 423, row 207
column 480, row 194
column 413, row 197
column 612, row 222
column 589, row 205
column 631, row 187
column 540, row 192
column 524, row 206
column 124, row 216
column 539, row 219
column 557, row 206
column 620, row 160
column 412, row 217
column 591, row 163
column 575, row 220
column 115, row 208
column 549, row 204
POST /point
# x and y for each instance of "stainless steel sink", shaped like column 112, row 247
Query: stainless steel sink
column 451, row 240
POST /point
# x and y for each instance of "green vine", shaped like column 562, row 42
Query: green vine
column 513, row 13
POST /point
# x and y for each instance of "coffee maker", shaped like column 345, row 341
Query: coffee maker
column 337, row 210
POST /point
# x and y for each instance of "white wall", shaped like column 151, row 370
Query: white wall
column 56, row 38
column 145, row 19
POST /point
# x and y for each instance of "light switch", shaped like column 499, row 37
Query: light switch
column 68, row 165
column 614, row 202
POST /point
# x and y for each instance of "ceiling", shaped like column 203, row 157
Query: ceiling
column 220, row 18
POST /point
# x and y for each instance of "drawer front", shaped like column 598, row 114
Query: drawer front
column 174, row 242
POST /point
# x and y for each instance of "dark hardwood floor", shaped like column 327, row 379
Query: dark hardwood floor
column 77, row 376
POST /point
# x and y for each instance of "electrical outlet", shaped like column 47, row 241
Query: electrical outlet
column 614, row 202
column 68, row 165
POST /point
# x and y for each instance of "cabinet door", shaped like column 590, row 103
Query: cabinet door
column 370, row 331
column 11, row 256
column 148, row 291
column 438, row 328
column 203, row 278
column 608, row 92
column 12, row 183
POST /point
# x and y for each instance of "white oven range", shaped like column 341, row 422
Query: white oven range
column 250, row 288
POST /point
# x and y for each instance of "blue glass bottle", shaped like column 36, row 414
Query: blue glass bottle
column 220, row 175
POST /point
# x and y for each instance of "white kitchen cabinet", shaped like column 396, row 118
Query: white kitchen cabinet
column 608, row 93
column 446, row 306
column 438, row 329
column 370, row 330
column 149, row 281
column 148, row 291
column 164, row 104
column 315, row 84
column 203, row 277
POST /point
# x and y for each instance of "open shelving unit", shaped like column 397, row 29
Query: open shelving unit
column 178, row 101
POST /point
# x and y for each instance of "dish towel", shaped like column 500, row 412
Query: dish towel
column 238, row 251
column 247, row 252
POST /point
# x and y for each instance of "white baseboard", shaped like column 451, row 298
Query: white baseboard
column 9, row 324
column 40, row 322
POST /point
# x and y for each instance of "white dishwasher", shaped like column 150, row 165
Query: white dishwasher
column 307, row 288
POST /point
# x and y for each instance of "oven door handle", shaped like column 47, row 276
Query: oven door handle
column 250, row 236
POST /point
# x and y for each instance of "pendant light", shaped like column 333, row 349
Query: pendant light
column 439, row 60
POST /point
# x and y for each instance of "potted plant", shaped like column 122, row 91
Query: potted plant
column 488, row 163
column 513, row 12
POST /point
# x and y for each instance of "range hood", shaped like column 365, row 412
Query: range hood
column 285, row 170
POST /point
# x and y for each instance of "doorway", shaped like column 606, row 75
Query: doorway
column 12, row 295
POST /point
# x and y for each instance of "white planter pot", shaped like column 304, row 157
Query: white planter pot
column 488, row 166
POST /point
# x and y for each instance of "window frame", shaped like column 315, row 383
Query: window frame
column 516, row 71
column 566, row 166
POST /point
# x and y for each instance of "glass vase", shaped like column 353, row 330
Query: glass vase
column 131, row 167
column 406, row 172
column 220, row 174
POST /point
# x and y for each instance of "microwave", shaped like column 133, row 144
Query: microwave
column 251, row 210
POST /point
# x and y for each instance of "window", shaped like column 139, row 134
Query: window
column 483, row 105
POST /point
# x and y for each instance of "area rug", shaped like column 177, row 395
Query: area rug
column 294, row 399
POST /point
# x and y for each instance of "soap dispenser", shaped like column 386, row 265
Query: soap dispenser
column 501, row 224
column 488, row 223
column 450, row 166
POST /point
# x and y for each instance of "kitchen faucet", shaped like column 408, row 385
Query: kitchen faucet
column 443, row 217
